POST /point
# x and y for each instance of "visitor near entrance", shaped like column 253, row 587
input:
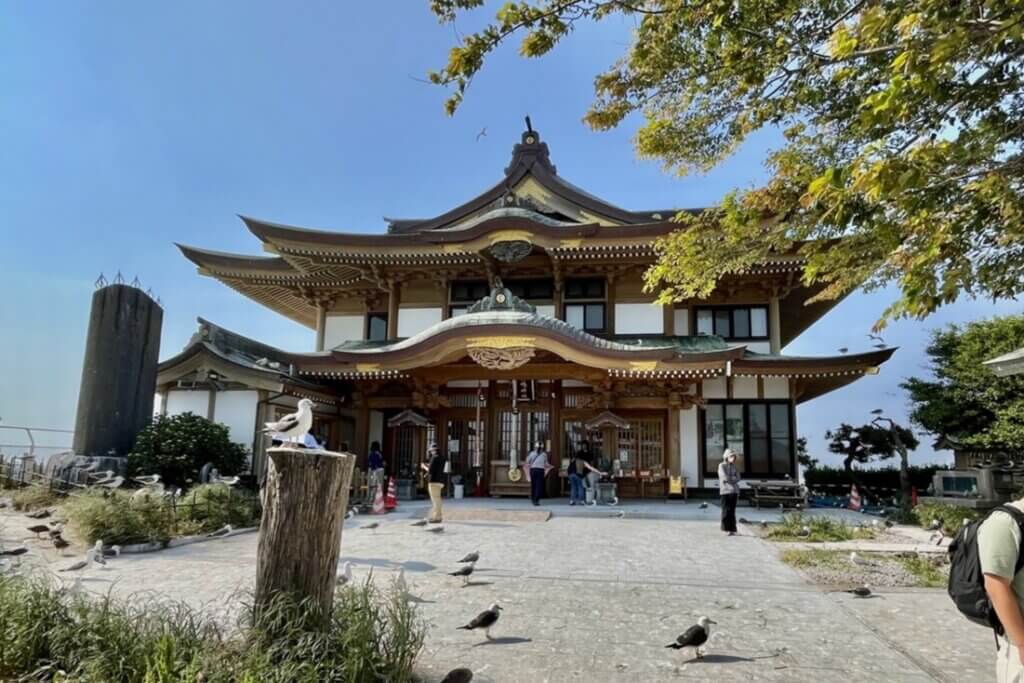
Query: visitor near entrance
column 729, row 489
column 435, row 481
column 999, row 539
column 537, row 464
column 375, row 465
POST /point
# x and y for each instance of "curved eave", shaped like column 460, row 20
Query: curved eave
column 812, row 377
column 226, row 263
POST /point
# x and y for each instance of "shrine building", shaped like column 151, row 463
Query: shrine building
column 516, row 317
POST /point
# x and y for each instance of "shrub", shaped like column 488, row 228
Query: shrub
column 34, row 497
column 117, row 519
column 823, row 529
column 178, row 446
column 881, row 478
column 952, row 516
column 214, row 505
column 368, row 636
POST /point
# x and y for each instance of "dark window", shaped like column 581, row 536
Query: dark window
column 469, row 292
column 532, row 290
column 376, row 326
column 591, row 288
column 734, row 322
column 758, row 431
column 585, row 304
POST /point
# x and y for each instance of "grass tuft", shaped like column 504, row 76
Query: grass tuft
column 34, row 497
column 925, row 572
column 51, row 634
column 823, row 529
column 806, row 559
column 952, row 516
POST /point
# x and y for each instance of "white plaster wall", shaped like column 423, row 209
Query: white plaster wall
column 681, row 325
column 744, row 387
column 546, row 309
column 689, row 439
column 758, row 346
column 183, row 401
column 158, row 403
column 342, row 328
column 412, row 321
column 715, row 388
column 376, row 427
column 776, row 387
column 237, row 410
column 639, row 319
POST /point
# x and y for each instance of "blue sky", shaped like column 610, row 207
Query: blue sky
column 129, row 129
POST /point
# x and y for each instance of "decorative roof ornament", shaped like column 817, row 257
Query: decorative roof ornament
column 409, row 417
column 511, row 251
column 501, row 299
column 502, row 359
column 530, row 151
column 606, row 419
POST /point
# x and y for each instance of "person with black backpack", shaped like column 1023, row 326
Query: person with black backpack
column 986, row 582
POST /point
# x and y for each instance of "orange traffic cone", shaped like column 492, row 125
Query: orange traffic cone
column 854, row 498
column 378, row 501
column 391, row 502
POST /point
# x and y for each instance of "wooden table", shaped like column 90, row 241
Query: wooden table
column 782, row 492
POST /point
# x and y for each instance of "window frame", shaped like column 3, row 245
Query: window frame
column 747, row 472
column 584, row 301
column 369, row 325
column 454, row 303
column 731, row 308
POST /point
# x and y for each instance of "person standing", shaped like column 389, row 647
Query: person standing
column 435, row 481
column 999, row 542
column 729, row 489
column 375, row 465
column 537, row 464
column 575, row 473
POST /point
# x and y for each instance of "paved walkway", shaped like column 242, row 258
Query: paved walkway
column 590, row 597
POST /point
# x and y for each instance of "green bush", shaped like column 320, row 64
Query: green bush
column 178, row 446
column 34, row 497
column 952, row 516
column 823, row 529
column 367, row 637
column 215, row 505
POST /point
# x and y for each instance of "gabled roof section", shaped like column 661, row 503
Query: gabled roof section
column 530, row 160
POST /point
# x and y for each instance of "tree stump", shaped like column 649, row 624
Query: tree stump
column 305, row 500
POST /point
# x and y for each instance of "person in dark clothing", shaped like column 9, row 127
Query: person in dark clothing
column 581, row 468
column 729, row 489
column 435, row 481
column 537, row 464
column 375, row 467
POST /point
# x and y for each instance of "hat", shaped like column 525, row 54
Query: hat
column 728, row 453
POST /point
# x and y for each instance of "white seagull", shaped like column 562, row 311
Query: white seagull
column 858, row 560
column 148, row 480
column 230, row 481
column 345, row 576
column 484, row 620
column 694, row 637
column 293, row 427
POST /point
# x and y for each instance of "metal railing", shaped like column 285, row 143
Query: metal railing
column 34, row 435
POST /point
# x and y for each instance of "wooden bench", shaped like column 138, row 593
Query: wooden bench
column 784, row 493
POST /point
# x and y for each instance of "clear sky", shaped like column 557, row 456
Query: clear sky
column 126, row 127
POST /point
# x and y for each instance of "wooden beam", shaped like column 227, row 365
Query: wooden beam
column 446, row 373
column 670, row 319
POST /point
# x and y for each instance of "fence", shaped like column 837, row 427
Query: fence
column 33, row 447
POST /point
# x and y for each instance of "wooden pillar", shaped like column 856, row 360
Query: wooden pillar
column 555, row 403
column 670, row 319
column 211, row 403
column 321, row 326
column 306, row 498
column 394, row 297
column 491, row 416
column 559, row 290
column 675, row 453
column 774, row 325
column 362, row 436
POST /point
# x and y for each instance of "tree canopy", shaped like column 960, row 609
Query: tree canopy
column 965, row 401
column 902, row 119
column 868, row 442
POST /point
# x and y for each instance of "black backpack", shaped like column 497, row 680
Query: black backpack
column 966, row 582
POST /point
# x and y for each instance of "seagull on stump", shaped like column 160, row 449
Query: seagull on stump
column 485, row 620
column 695, row 636
column 294, row 426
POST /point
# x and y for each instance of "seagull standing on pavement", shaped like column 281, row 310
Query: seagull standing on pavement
column 372, row 526
column 294, row 426
column 472, row 557
column 861, row 591
column 464, row 572
column 460, row 675
column 485, row 620
column 419, row 522
column 695, row 636
column 860, row 561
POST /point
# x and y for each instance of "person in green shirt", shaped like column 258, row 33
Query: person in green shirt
column 998, row 545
